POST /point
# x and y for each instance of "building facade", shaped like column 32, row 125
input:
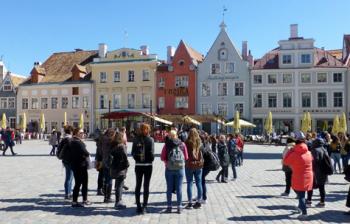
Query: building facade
column 124, row 81
column 295, row 78
column 176, row 81
column 60, row 85
column 223, row 82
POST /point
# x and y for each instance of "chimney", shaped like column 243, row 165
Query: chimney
column 170, row 54
column 102, row 50
column 245, row 50
column 293, row 30
column 144, row 49
column 250, row 59
column 37, row 73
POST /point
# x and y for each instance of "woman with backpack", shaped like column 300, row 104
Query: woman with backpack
column 119, row 167
column 174, row 154
column 224, row 159
column 194, row 166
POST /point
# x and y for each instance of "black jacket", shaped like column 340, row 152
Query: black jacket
column 318, row 154
column 223, row 154
column 77, row 154
column 119, row 161
column 143, row 149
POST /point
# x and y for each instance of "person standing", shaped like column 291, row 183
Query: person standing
column 105, row 150
column 299, row 159
column 233, row 153
column 8, row 138
column 125, row 142
column 213, row 143
column 240, row 147
column 99, row 165
column 207, row 164
column 119, row 167
column 53, row 142
column 143, row 154
column 286, row 169
column 335, row 148
column 174, row 154
column 224, row 159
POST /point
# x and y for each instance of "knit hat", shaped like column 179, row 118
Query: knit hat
column 299, row 135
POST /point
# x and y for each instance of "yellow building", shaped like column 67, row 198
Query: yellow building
column 124, row 80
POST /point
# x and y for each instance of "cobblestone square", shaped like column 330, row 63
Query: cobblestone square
column 31, row 191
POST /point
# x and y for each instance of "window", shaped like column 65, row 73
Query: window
column 272, row 99
column 306, row 99
column 321, row 77
column 272, row 79
column 146, row 100
column 305, row 78
column 116, row 76
column 257, row 100
column 257, row 79
column 103, row 77
column 75, row 91
column 215, row 68
column 12, row 122
column 222, row 89
column 85, row 102
column 161, row 102
column 287, row 59
column 44, row 103
column 131, row 100
column 75, row 102
column 145, row 75
column 206, row 109
column 322, row 99
column 305, row 58
column 7, row 85
column 287, row 78
column 131, row 76
column 230, row 67
column 116, row 101
column 11, row 102
column 103, row 100
column 239, row 107
column 338, row 99
column 205, row 89
column 64, row 102
column 223, row 54
column 181, row 62
column 287, row 99
column 239, row 89
column 337, row 77
column 161, row 82
column 181, row 102
column 24, row 103
column 181, row 81
column 3, row 103
column 54, row 102
column 35, row 103
column 222, row 109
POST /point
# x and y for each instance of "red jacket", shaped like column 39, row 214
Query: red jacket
column 239, row 143
column 300, row 160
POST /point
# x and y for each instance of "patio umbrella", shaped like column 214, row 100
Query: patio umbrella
column 42, row 122
column 236, row 123
column 3, row 121
column 342, row 123
column 309, row 121
column 81, row 121
column 65, row 119
column 24, row 122
column 304, row 124
column 325, row 126
column 335, row 128
column 268, row 123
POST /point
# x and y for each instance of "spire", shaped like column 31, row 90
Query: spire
column 223, row 26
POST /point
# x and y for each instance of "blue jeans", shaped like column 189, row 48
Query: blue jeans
column 302, row 204
column 336, row 160
column 174, row 178
column 205, row 172
column 233, row 164
column 197, row 173
column 69, row 179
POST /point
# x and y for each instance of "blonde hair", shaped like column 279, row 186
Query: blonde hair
column 172, row 134
column 193, row 142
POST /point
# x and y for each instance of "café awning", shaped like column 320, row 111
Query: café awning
column 243, row 124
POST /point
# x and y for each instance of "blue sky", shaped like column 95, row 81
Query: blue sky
column 34, row 29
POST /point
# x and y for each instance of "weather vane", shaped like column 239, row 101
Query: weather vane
column 224, row 9
column 125, row 38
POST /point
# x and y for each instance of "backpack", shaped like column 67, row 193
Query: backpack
column 175, row 158
column 326, row 164
column 62, row 149
column 232, row 148
column 213, row 161
column 195, row 164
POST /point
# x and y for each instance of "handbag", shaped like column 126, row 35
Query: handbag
column 90, row 163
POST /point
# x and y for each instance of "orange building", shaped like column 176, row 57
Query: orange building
column 176, row 81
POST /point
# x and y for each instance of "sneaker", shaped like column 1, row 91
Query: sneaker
column 224, row 181
column 145, row 210
column 14, row 154
column 188, row 206
column 139, row 211
column 119, row 206
column 197, row 205
column 302, row 216
column 87, row 202
column 77, row 205
column 107, row 200
column 179, row 210
column 321, row 205
column 285, row 194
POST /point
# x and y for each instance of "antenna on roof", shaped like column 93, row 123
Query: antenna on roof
column 125, row 38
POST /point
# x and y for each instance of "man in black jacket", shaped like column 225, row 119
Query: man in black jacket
column 143, row 154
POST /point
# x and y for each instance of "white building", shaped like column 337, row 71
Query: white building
column 294, row 78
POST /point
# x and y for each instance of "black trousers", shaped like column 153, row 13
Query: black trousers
column 6, row 147
column 288, row 175
column 322, row 193
column 119, row 183
column 140, row 173
column 100, row 179
column 223, row 173
column 80, row 179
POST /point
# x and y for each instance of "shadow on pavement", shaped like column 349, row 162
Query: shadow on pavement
column 257, row 196
column 270, row 185
column 261, row 156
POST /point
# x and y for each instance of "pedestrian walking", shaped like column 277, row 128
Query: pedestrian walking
column 143, row 154
column 286, row 169
column 240, row 147
column 335, row 148
column 53, row 142
column 224, row 159
column 207, row 166
column 233, row 153
column 299, row 159
column 8, row 138
column 174, row 154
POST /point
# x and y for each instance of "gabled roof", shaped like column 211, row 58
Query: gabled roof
column 268, row 61
column 338, row 53
column 16, row 79
column 195, row 55
column 59, row 65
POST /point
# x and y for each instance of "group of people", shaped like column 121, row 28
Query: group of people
column 192, row 157
column 8, row 139
column 307, row 164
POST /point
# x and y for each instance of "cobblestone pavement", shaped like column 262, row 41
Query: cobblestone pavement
column 31, row 191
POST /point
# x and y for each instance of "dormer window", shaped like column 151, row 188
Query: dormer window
column 7, row 85
column 181, row 62
column 287, row 59
column 223, row 54
column 124, row 54
column 305, row 58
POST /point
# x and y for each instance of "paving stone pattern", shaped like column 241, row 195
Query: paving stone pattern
column 31, row 191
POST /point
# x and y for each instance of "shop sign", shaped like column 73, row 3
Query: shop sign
column 176, row 92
